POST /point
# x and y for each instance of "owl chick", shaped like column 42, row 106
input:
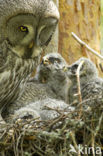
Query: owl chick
column 46, row 109
column 51, row 72
column 25, row 113
column 90, row 84
column 26, row 27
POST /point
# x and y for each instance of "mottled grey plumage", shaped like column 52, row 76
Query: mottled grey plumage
column 91, row 85
column 46, row 109
column 55, row 86
column 51, row 72
column 26, row 27
column 24, row 113
column 33, row 92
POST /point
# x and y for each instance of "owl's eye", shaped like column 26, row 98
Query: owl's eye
column 23, row 28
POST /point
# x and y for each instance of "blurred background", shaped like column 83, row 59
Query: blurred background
column 101, row 26
column 85, row 19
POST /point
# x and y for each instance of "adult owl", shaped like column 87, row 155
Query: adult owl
column 91, row 84
column 26, row 27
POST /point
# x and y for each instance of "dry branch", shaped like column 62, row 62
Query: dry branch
column 72, row 134
column 85, row 45
column 78, row 81
column 79, row 89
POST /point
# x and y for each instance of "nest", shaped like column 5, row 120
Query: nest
column 69, row 134
column 75, row 133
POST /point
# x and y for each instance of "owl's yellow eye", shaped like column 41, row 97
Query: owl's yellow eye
column 23, row 29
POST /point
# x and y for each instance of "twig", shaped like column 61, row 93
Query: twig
column 53, row 109
column 72, row 134
column 85, row 45
column 93, row 142
column 59, row 118
column 38, row 149
column 78, row 83
column 99, row 125
column 78, row 80
column 95, row 132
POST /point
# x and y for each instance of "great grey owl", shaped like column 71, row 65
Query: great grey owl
column 91, row 85
column 26, row 27
column 54, row 86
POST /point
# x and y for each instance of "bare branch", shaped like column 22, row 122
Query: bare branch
column 85, row 45
column 72, row 134
column 78, row 80
column 99, row 125
column 78, row 83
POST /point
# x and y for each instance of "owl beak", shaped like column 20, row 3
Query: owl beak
column 68, row 70
column 45, row 61
column 65, row 69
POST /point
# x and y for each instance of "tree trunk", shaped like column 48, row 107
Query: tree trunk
column 83, row 18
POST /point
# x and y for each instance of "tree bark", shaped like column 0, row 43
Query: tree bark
column 83, row 18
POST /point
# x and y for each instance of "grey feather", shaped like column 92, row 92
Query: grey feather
column 55, row 86
column 47, row 109
column 22, row 23
column 53, row 74
column 90, row 83
column 25, row 113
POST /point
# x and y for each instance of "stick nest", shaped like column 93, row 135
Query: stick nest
column 54, row 138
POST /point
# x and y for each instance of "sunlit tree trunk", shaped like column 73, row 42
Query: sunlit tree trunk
column 83, row 18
